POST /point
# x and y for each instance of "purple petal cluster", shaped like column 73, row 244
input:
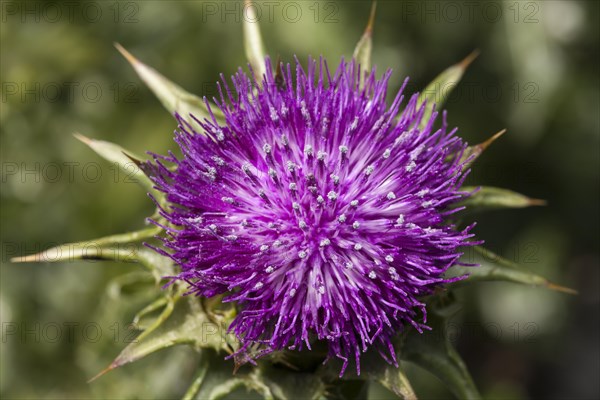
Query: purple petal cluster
column 319, row 210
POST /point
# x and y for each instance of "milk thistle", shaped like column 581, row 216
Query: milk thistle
column 304, row 211
column 318, row 209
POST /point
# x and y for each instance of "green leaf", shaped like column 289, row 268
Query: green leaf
column 220, row 380
column 433, row 351
column 492, row 267
column 441, row 87
column 123, row 247
column 128, row 282
column 159, row 265
column 169, row 305
column 104, row 248
column 139, row 318
column 183, row 321
column 363, row 49
column 395, row 380
column 172, row 96
column 253, row 43
column 76, row 251
column 118, row 155
column 192, row 391
column 106, row 241
column 489, row 198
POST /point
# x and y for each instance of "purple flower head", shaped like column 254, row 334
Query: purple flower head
column 321, row 211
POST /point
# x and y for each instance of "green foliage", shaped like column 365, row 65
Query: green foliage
column 437, row 91
column 121, row 157
column 492, row 267
column 433, row 351
column 173, row 97
column 490, row 198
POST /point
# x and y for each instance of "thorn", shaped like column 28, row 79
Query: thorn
column 23, row 259
column 236, row 366
column 475, row 151
column 136, row 161
column 561, row 289
column 83, row 138
column 371, row 23
column 240, row 360
column 104, row 371
column 128, row 56
column 491, row 140
column 537, row 202
column 469, row 59
column 43, row 256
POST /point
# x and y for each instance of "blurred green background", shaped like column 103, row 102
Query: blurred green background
column 537, row 76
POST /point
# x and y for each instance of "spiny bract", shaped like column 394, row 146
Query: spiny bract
column 319, row 210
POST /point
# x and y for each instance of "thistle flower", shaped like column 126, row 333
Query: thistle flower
column 321, row 213
column 318, row 209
